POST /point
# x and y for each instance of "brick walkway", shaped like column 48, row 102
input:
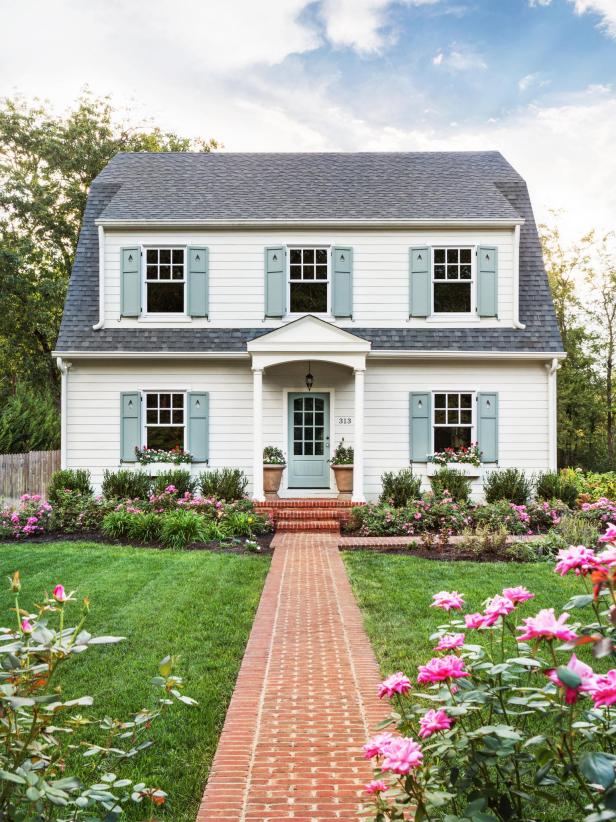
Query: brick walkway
column 305, row 699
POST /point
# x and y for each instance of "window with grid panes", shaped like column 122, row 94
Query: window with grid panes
column 308, row 280
column 452, row 275
column 165, row 420
column 165, row 280
column 453, row 420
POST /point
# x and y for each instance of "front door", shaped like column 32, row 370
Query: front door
column 308, row 440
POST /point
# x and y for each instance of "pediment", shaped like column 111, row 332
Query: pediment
column 309, row 334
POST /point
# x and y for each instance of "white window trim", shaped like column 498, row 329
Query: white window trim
column 294, row 315
column 473, row 425
column 169, row 315
column 455, row 315
column 144, row 411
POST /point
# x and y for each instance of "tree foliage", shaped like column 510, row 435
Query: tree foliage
column 47, row 163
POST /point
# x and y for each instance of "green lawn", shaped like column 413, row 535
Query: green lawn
column 197, row 605
column 394, row 592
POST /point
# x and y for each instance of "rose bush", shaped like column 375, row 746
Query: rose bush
column 31, row 517
column 506, row 721
column 39, row 725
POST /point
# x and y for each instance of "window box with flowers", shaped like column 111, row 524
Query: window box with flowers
column 160, row 460
column 465, row 459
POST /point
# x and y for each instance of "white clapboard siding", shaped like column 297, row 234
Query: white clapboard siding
column 380, row 272
column 93, row 424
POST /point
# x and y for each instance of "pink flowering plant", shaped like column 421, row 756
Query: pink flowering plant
column 176, row 455
column 512, row 719
column 30, row 518
column 465, row 454
column 38, row 724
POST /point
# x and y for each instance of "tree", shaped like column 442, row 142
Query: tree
column 47, row 163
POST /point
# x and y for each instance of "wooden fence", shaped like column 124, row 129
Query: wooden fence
column 27, row 473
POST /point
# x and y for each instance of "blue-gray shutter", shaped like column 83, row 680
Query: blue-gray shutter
column 130, row 425
column 342, row 281
column 130, row 281
column 487, row 281
column 487, row 426
column 198, row 275
column 419, row 281
column 199, row 425
column 420, row 428
column 275, row 281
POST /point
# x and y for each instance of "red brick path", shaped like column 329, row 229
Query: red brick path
column 305, row 699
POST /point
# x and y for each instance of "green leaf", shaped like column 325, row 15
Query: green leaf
column 568, row 677
column 526, row 662
column 105, row 640
column 580, row 601
column 12, row 777
column 598, row 768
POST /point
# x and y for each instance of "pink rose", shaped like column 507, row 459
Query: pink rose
column 450, row 641
column 402, row 755
column 447, row 600
column 376, row 786
column 499, row 606
column 433, row 721
column 585, row 672
column 439, row 669
column 59, row 593
column 519, row 594
column 376, row 746
column 610, row 534
column 397, row 683
column 576, row 558
column 474, row 620
column 546, row 626
column 602, row 689
column 26, row 626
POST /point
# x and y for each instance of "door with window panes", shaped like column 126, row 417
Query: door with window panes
column 308, row 440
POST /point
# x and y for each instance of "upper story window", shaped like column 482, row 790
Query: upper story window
column 452, row 280
column 453, row 420
column 165, row 280
column 308, row 280
column 165, row 420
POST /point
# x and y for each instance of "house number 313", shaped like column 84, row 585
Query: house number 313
column 344, row 420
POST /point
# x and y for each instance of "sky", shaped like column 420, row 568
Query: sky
column 535, row 79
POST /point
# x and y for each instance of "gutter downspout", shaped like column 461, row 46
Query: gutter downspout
column 552, row 368
column 101, row 280
column 516, row 279
column 63, row 366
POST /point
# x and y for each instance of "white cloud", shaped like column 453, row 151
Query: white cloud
column 606, row 9
column 460, row 58
column 532, row 80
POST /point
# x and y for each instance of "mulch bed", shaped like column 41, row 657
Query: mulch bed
column 230, row 547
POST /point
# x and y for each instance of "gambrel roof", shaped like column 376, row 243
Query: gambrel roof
column 195, row 189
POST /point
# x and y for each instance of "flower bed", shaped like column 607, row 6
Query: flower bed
column 510, row 718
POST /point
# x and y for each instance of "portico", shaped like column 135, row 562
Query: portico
column 311, row 422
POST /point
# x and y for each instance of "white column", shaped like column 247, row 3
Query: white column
column 257, row 434
column 358, row 460
column 552, row 415
column 63, row 366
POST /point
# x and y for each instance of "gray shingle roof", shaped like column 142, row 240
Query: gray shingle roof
column 308, row 186
column 362, row 186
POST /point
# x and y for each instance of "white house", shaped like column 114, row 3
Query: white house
column 409, row 285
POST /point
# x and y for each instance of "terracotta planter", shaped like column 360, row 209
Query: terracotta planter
column 344, row 479
column 272, row 475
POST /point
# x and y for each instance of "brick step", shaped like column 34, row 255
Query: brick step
column 328, row 525
column 309, row 513
column 298, row 502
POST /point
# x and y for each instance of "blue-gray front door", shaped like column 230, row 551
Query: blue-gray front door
column 308, row 440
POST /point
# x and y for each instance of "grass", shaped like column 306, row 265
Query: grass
column 394, row 592
column 197, row 605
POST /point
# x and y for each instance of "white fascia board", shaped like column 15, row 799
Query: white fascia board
column 433, row 223
column 476, row 355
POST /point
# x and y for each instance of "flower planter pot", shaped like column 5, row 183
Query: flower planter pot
column 344, row 480
column 154, row 469
column 272, row 475
column 464, row 468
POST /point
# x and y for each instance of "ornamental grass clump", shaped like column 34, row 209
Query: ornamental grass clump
column 512, row 718
column 38, row 728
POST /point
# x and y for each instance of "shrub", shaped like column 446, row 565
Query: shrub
column 179, row 478
column 545, row 515
column 29, row 421
column 273, row 456
column 37, row 732
column 118, row 524
column 448, row 482
column 515, row 518
column 74, row 512
column 224, row 483
column 484, row 540
column 511, row 484
column 180, row 528
column 399, row 488
column 32, row 517
column 512, row 725
column 552, row 485
column 599, row 512
column 145, row 527
column 592, row 485
column 69, row 479
column 126, row 484
column 575, row 530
